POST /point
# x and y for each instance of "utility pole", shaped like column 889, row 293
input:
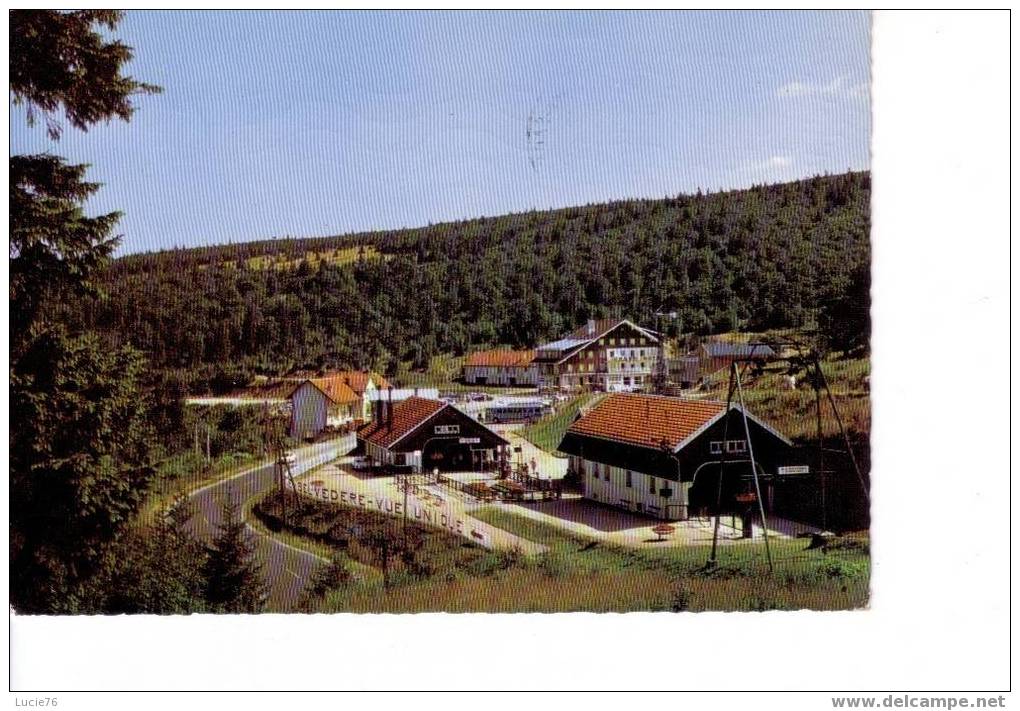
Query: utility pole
column 754, row 471
column 712, row 560
column 821, row 451
column 735, row 385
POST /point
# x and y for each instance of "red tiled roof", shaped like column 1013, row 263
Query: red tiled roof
column 357, row 380
column 500, row 358
column 646, row 420
column 346, row 386
column 335, row 389
column 407, row 416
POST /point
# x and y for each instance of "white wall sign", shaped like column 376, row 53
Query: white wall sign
column 447, row 429
column 470, row 440
column 795, row 470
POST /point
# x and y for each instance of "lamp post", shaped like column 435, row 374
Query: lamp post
column 407, row 485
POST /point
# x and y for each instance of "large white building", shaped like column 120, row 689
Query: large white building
column 611, row 355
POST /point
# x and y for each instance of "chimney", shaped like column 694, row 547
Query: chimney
column 591, row 327
column 389, row 408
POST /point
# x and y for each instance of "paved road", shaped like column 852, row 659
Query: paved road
column 287, row 569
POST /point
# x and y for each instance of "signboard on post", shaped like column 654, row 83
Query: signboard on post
column 470, row 440
column 800, row 469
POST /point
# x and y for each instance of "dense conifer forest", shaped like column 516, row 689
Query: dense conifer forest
column 765, row 257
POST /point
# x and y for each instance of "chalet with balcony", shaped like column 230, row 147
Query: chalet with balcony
column 610, row 355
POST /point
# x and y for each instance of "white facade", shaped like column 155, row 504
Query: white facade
column 622, row 358
column 399, row 394
column 383, row 456
column 632, row 490
column 312, row 412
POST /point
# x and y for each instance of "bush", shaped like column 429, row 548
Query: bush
column 681, row 598
column 844, row 569
column 330, row 577
column 553, row 565
column 572, row 480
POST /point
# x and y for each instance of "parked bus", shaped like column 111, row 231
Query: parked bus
column 517, row 411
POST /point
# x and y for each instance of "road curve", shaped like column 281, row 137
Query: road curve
column 287, row 569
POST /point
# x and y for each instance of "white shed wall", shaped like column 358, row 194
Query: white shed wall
column 308, row 412
column 637, row 497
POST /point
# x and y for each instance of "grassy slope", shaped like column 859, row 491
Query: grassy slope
column 792, row 412
column 548, row 431
column 339, row 256
column 577, row 575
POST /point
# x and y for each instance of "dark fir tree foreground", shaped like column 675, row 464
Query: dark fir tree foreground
column 233, row 578
column 60, row 61
column 79, row 439
column 158, row 569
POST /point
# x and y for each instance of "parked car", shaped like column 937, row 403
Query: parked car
column 361, row 462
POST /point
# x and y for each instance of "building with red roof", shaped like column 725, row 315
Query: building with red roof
column 335, row 400
column 425, row 434
column 500, row 367
column 610, row 355
column 662, row 456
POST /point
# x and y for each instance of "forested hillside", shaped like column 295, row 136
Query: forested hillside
column 760, row 258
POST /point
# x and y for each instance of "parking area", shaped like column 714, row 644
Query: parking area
column 548, row 466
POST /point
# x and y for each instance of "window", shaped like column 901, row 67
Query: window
column 736, row 446
column 733, row 446
column 630, row 481
column 651, row 485
column 607, row 473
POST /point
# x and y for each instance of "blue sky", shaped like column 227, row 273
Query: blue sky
column 320, row 123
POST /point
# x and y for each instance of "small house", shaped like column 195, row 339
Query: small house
column 716, row 355
column 336, row 400
column 500, row 367
column 429, row 434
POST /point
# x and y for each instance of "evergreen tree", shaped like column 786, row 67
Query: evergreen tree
column 158, row 569
column 80, row 441
column 845, row 318
column 79, row 464
column 233, row 578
